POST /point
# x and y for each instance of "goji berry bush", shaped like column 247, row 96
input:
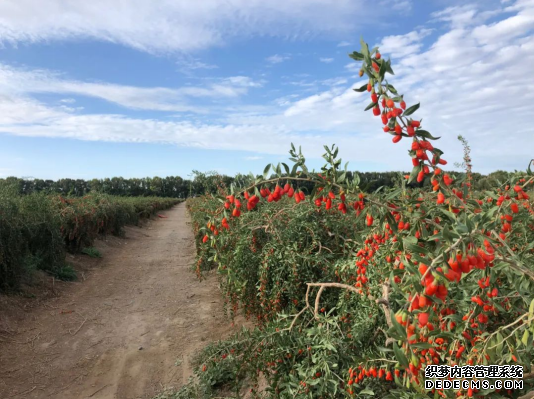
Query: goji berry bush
column 355, row 293
column 37, row 229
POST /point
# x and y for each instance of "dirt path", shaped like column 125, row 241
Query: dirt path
column 127, row 331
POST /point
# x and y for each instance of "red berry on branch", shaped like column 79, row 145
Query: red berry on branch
column 420, row 176
column 423, row 319
column 290, row 192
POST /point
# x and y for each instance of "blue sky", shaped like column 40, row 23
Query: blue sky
column 145, row 87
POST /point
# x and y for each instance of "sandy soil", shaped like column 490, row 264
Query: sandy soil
column 127, row 329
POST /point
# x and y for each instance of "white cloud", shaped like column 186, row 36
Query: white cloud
column 344, row 43
column 19, row 110
column 352, row 66
column 403, row 6
column 326, row 60
column 23, row 81
column 277, row 59
column 178, row 25
column 187, row 64
column 334, row 82
column 403, row 45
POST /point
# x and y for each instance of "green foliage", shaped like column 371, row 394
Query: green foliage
column 65, row 273
column 37, row 229
column 268, row 255
column 92, row 252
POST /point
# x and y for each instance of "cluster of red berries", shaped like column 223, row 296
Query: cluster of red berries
column 279, row 192
column 360, row 373
column 328, row 201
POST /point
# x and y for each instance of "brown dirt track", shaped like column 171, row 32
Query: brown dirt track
column 127, row 329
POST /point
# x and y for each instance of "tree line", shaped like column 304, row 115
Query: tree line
column 201, row 183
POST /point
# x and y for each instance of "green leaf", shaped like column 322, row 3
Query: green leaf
column 266, row 171
column 365, row 51
column 286, row 168
column 388, row 67
column 294, row 170
column 411, row 240
column 356, row 56
column 401, row 357
column 382, row 71
column 426, row 135
column 416, row 249
column 391, row 88
column 361, row 89
column 525, row 338
column 371, row 105
column 411, row 109
column 398, row 328
column 446, row 233
column 500, row 340
column 356, row 179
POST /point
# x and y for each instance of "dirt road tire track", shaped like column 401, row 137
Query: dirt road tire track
column 133, row 324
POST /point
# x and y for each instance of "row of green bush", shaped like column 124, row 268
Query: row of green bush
column 36, row 230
